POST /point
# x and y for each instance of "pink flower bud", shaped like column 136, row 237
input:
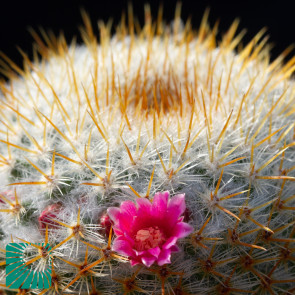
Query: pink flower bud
column 105, row 222
column 187, row 215
column 46, row 216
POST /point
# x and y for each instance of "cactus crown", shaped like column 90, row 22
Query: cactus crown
column 89, row 127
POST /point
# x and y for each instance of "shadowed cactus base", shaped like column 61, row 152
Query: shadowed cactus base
column 87, row 127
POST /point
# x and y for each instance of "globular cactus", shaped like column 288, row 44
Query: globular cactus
column 156, row 161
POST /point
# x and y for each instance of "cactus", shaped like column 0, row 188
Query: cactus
column 87, row 130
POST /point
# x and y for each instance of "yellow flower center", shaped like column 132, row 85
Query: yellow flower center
column 149, row 238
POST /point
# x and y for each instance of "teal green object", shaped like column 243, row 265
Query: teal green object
column 22, row 276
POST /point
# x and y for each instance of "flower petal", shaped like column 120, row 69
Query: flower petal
column 159, row 206
column 182, row 230
column 144, row 206
column 126, row 217
column 174, row 248
column 170, row 242
column 139, row 253
column 148, row 259
column 122, row 247
column 143, row 217
column 128, row 208
column 134, row 262
column 164, row 257
column 176, row 207
column 114, row 214
column 154, row 251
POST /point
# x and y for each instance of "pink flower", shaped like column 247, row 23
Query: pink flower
column 148, row 232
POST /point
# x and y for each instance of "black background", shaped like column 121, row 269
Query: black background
column 15, row 18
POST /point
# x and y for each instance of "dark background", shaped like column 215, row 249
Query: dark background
column 15, row 18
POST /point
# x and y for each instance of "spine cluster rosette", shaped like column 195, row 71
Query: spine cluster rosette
column 159, row 160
